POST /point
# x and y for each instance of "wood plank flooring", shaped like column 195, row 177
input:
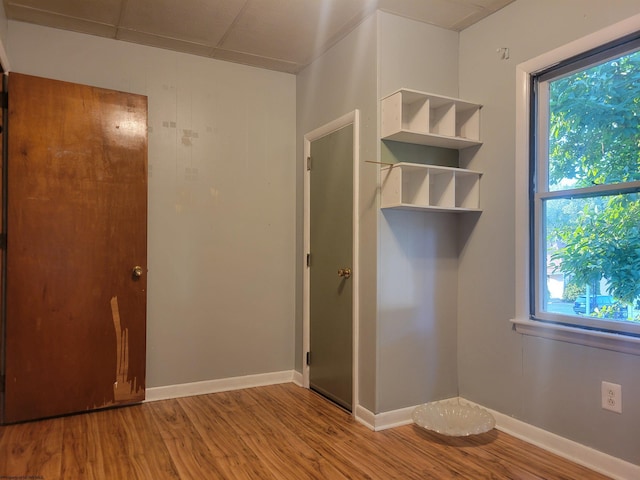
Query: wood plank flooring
column 274, row 432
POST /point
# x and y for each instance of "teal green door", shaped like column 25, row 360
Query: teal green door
column 330, row 284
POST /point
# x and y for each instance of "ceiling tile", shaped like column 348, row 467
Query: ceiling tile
column 60, row 21
column 257, row 61
column 103, row 11
column 490, row 5
column 294, row 30
column 163, row 42
column 444, row 13
column 198, row 21
column 284, row 35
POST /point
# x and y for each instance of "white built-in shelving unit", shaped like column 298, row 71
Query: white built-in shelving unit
column 410, row 116
column 429, row 187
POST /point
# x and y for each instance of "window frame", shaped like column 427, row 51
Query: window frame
column 539, row 184
column 524, row 322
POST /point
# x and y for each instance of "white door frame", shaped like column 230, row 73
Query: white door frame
column 352, row 118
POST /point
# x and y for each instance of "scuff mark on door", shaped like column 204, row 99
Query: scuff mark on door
column 124, row 390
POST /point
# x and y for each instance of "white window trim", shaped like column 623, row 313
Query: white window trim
column 522, row 323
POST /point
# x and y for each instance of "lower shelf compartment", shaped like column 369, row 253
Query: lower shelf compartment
column 413, row 186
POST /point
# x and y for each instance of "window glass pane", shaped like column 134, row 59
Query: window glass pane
column 594, row 125
column 592, row 256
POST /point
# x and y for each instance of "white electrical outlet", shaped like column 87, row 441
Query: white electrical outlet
column 612, row 397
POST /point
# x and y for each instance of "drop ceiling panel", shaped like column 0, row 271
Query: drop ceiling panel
column 444, row 13
column 486, row 8
column 197, row 21
column 102, row 11
column 283, row 35
column 292, row 29
column 467, row 21
column 491, row 5
column 62, row 22
column 163, row 42
column 257, row 61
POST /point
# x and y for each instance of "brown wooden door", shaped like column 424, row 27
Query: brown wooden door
column 76, row 228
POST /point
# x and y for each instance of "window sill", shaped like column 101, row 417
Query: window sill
column 591, row 338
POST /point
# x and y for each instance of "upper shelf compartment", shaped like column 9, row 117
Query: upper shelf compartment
column 415, row 117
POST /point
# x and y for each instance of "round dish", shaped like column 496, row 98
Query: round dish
column 451, row 418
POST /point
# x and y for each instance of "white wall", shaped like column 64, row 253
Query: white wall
column 417, row 55
column 417, row 258
column 221, row 199
column 553, row 385
column 340, row 81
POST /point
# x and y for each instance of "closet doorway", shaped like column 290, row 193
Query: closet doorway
column 330, row 304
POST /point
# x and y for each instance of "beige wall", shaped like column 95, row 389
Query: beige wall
column 553, row 385
column 221, row 199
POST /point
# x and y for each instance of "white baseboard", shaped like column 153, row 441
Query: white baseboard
column 365, row 417
column 222, row 385
column 582, row 455
column 385, row 420
column 298, row 379
column 588, row 457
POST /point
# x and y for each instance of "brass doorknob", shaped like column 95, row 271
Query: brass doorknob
column 137, row 271
column 344, row 272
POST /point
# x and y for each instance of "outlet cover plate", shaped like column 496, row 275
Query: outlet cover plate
column 612, row 397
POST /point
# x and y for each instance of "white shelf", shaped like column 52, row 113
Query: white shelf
column 416, row 186
column 410, row 116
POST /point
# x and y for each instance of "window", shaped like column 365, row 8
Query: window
column 584, row 190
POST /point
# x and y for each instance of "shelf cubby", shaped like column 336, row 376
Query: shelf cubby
column 415, row 117
column 467, row 189
column 430, row 187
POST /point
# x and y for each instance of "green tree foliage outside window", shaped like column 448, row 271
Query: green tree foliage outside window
column 594, row 139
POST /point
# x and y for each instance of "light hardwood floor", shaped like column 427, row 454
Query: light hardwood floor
column 275, row 432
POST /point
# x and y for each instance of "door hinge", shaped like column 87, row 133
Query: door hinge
column 308, row 259
column 3, row 241
column 308, row 164
column 308, row 358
